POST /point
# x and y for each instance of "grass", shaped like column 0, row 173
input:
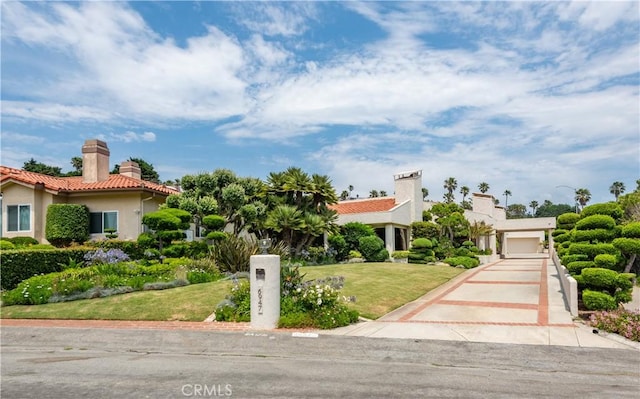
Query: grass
column 191, row 303
column 378, row 287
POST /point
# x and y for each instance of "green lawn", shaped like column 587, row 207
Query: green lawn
column 378, row 287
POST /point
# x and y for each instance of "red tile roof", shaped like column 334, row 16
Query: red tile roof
column 75, row 184
column 364, row 206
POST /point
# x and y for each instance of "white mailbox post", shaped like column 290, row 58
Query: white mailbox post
column 265, row 289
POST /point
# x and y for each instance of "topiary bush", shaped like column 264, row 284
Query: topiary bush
column 67, row 223
column 600, row 278
column 596, row 222
column 576, row 267
column 567, row 221
column 606, row 208
column 565, row 260
column 629, row 230
column 6, row 245
column 593, row 236
column 592, row 250
column 465, row 261
column 353, row 231
column 606, row 261
column 425, row 230
column 421, row 243
column 372, row 248
column 594, row 300
column 560, row 238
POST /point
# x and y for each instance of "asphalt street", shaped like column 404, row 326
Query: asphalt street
column 118, row 363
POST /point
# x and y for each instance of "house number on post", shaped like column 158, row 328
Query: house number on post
column 260, row 300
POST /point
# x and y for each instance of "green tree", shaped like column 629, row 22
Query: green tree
column 516, row 211
column 483, row 187
column 168, row 224
column 38, row 167
column 533, row 205
column 425, row 193
column 373, row 194
column 285, row 219
column 617, row 188
column 548, row 209
column 147, row 172
column 582, row 196
column 344, row 195
column 383, row 193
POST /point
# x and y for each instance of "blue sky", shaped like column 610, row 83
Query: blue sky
column 525, row 96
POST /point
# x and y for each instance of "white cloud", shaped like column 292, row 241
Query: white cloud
column 125, row 68
column 129, row 137
column 272, row 19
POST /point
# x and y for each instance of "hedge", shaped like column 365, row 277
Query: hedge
column 16, row 266
column 67, row 223
column 596, row 222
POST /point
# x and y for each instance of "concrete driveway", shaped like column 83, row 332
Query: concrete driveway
column 517, row 301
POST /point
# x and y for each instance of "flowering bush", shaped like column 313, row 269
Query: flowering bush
column 620, row 321
column 110, row 256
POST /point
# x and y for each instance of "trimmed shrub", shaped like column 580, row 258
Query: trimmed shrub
column 567, row 221
column 400, row 254
column 596, row 235
column 606, row 261
column 217, row 236
column 353, row 231
column 624, row 281
column 606, row 208
column 353, row 254
column 565, row 260
column 465, row 261
column 175, row 250
column 576, row 267
column 560, row 238
column 627, row 245
column 67, row 223
column 338, row 244
column 596, row 222
column 592, row 250
column 372, row 248
column 6, row 245
column 420, row 243
column 424, row 230
column 557, row 232
column 16, row 266
column 213, row 222
column 630, row 230
column 594, row 300
column 23, row 241
column 600, row 278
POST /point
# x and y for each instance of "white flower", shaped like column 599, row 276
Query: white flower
column 319, row 301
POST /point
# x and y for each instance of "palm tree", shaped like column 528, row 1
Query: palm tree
column 617, row 188
column 425, row 193
column 285, row 219
column 506, row 194
column 322, row 191
column 464, row 190
column 483, row 187
column 344, row 195
column 448, row 197
column 533, row 205
column 479, row 229
column 583, row 196
column 373, row 194
column 297, row 182
column 450, row 185
column 383, row 193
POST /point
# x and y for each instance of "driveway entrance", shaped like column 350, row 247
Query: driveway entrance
column 509, row 301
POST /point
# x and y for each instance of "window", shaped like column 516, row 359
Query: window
column 18, row 217
column 101, row 221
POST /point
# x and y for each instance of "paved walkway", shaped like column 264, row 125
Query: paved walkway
column 517, row 301
column 509, row 301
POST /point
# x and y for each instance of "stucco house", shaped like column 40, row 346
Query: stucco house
column 391, row 217
column 115, row 201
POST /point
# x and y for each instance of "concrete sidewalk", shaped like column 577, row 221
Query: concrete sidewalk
column 515, row 301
